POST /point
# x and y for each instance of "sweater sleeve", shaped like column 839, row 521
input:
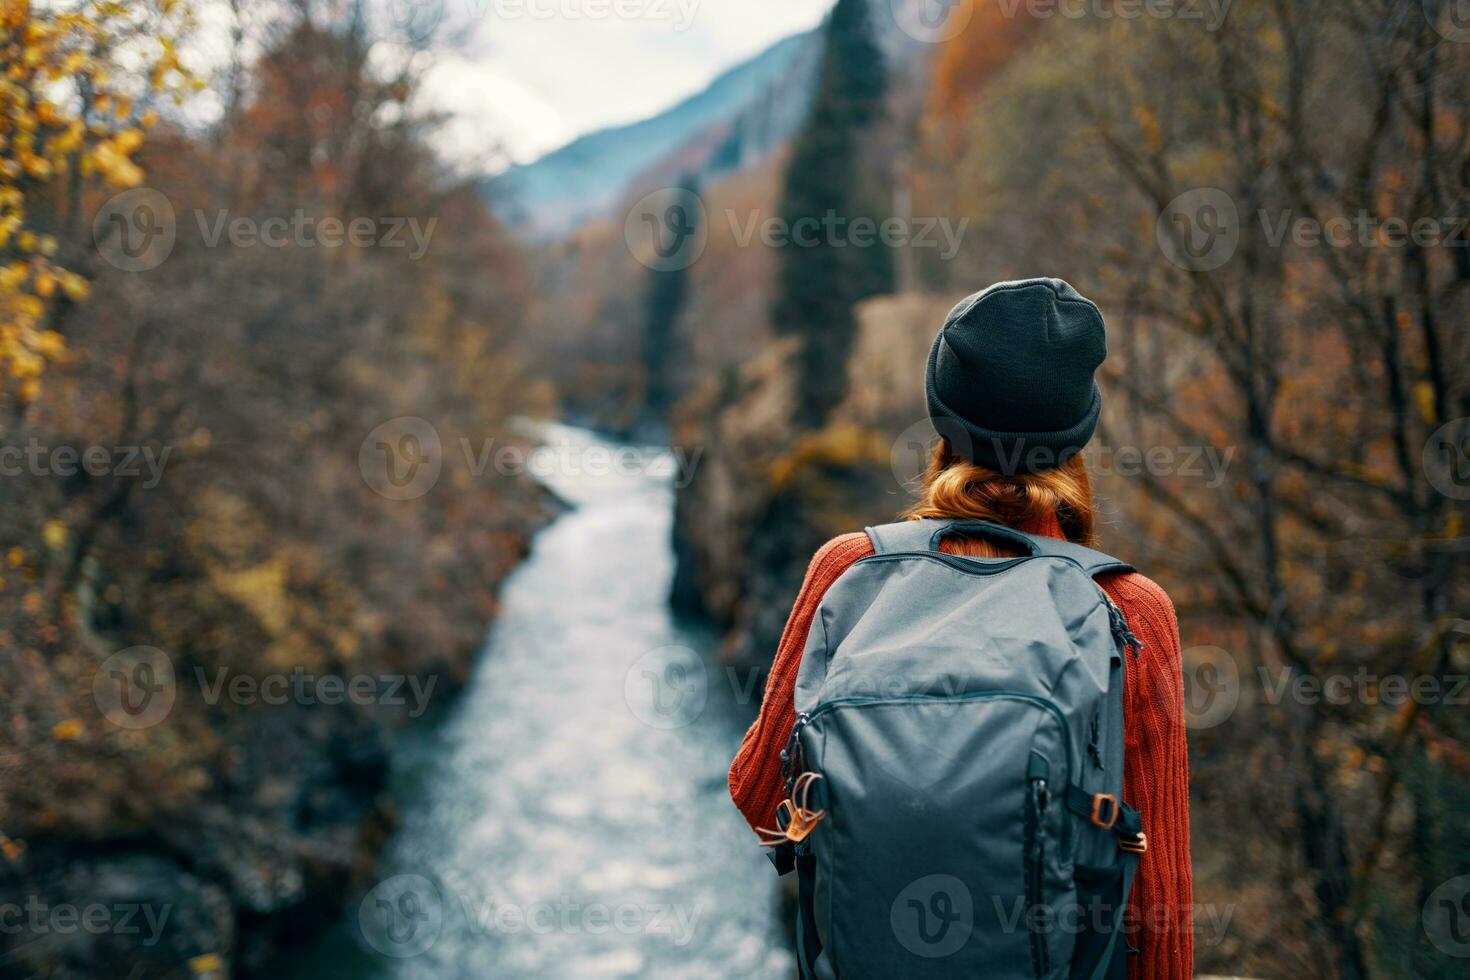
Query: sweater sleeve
column 1156, row 783
column 755, row 775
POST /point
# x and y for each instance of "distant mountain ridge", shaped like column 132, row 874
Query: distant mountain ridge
column 742, row 114
column 734, row 123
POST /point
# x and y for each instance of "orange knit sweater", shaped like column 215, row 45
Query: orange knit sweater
column 1155, row 770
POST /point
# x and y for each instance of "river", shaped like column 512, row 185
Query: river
column 568, row 817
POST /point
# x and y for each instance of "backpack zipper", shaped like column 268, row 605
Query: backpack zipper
column 1035, row 868
column 971, row 566
column 791, row 756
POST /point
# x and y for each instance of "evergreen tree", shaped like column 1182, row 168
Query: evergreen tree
column 665, row 294
column 821, row 275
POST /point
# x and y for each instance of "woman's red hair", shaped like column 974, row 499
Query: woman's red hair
column 956, row 487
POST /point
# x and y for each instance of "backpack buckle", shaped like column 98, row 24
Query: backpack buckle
column 1104, row 810
column 794, row 816
column 1134, row 845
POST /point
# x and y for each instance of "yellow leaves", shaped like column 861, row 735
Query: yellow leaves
column 262, row 589
column 68, row 731
column 1149, row 124
column 12, row 275
column 91, row 132
column 112, row 164
column 25, row 364
column 1424, row 401
column 54, row 534
column 207, row 963
column 77, row 289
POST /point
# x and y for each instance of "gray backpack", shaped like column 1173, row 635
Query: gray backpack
column 955, row 774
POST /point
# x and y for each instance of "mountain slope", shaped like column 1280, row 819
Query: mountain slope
column 765, row 95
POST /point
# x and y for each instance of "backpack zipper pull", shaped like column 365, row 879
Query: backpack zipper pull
column 1094, row 740
column 790, row 756
column 1121, row 630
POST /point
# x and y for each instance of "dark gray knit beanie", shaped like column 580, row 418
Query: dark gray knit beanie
column 1011, row 375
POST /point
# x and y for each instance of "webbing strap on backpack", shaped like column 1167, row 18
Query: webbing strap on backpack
column 925, row 535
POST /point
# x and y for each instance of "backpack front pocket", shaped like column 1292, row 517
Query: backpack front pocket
column 943, row 845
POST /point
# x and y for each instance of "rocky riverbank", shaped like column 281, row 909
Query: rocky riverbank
column 208, row 838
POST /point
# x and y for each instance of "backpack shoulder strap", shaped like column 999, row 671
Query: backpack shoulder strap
column 925, row 535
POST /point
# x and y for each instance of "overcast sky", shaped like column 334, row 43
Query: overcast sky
column 519, row 78
column 530, row 75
